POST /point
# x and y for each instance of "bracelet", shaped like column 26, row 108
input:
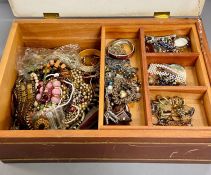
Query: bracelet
column 115, row 49
column 89, row 54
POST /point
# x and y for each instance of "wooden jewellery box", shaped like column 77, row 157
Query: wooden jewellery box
column 140, row 141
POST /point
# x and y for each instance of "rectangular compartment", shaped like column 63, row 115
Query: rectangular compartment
column 137, row 109
column 196, row 75
column 40, row 35
column 184, row 30
column 197, row 99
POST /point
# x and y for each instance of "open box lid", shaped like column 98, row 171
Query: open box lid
column 105, row 8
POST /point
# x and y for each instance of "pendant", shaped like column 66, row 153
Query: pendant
column 124, row 117
column 181, row 42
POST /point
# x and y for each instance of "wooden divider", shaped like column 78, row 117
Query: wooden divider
column 192, row 60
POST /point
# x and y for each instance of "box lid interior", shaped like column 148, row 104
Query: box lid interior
column 105, row 8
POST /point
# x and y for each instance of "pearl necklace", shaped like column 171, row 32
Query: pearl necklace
column 165, row 70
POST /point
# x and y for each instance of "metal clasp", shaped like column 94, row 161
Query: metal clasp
column 51, row 15
column 162, row 15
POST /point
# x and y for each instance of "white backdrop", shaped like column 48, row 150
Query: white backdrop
column 104, row 169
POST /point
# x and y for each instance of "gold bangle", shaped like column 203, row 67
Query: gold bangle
column 84, row 55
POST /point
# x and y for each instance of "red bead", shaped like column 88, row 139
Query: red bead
column 72, row 109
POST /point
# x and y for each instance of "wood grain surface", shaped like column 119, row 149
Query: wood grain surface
column 140, row 141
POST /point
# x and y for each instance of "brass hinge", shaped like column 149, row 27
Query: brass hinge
column 51, row 15
column 162, row 15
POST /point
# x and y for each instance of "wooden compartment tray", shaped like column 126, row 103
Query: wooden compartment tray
column 139, row 141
